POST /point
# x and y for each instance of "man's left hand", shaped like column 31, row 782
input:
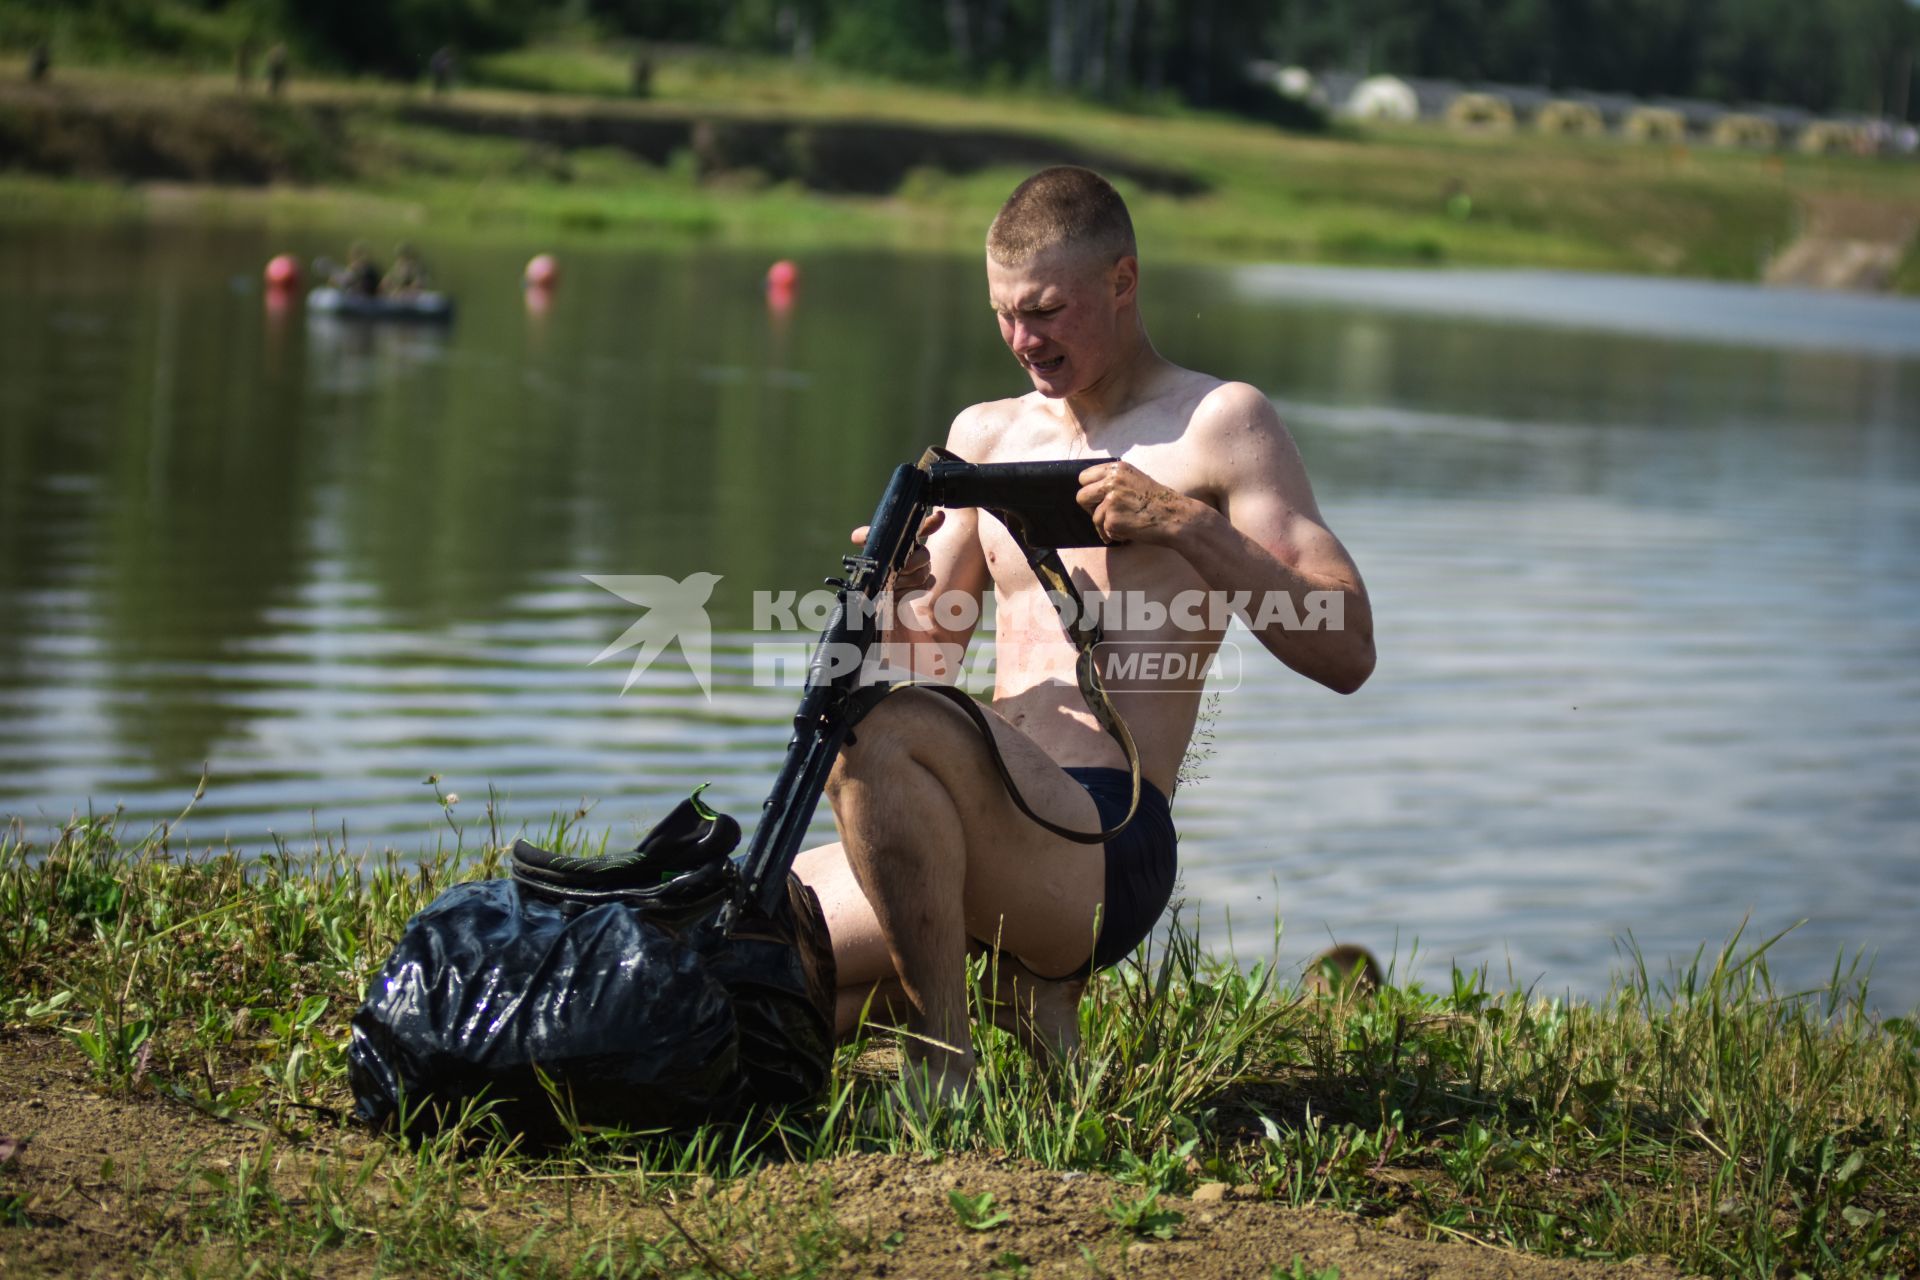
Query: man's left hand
column 1128, row 505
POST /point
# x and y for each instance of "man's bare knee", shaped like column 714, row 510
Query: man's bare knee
column 908, row 730
column 911, row 719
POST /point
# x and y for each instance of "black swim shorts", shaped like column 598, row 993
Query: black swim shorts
column 1141, row 862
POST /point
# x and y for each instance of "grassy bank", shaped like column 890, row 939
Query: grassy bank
column 357, row 155
column 172, row 1028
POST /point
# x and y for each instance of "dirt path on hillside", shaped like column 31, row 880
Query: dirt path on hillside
column 1846, row 242
column 104, row 1181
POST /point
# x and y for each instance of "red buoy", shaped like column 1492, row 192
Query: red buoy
column 543, row 271
column 783, row 275
column 282, row 272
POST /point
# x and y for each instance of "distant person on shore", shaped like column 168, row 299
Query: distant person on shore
column 361, row 275
column 39, row 62
column 642, row 74
column 441, row 68
column 277, row 69
column 407, row 276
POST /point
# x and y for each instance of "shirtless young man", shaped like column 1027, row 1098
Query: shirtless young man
column 1196, row 487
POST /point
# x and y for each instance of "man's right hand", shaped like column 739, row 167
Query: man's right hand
column 916, row 571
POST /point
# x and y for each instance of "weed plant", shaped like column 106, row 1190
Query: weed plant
column 1706, row 1116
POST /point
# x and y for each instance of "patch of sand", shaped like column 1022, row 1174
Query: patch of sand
column 1846, row 242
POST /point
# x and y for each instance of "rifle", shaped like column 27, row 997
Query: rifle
column 1036, row 501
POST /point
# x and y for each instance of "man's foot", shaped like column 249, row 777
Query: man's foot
column 933, row 1076
column 1345, row 969
column 1043, row 1015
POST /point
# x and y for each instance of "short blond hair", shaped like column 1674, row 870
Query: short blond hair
column 1064, row 205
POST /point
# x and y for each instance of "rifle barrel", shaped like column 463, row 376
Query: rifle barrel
column 819, row 725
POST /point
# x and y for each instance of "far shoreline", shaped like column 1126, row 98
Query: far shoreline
column 802, row 163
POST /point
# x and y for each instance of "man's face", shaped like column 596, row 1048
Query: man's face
column 1061, row 315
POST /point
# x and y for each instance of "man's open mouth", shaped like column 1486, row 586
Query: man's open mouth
column 1047, row 366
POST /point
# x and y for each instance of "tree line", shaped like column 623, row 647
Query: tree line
column 1833, row 55
column 1824, row 55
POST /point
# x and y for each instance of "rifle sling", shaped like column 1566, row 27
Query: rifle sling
column 1085, row 634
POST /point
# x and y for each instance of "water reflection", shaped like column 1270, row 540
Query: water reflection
column 1649, row 609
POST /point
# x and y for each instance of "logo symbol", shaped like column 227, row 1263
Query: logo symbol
column 676, row 609
column 1168, row 666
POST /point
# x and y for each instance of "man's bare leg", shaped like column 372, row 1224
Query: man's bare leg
column 1043, row 1014
column 933, row 852
column 869, row 988
column 905, row 844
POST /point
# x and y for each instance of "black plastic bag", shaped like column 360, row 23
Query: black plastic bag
column 601, row 988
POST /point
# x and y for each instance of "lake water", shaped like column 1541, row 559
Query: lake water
column 1645, row 560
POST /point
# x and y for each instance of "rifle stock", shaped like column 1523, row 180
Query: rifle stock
column 1036, row 498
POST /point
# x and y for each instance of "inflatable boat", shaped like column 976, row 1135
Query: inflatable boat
column 433, row 308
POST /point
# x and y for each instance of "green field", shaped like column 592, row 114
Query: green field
column 356, row 155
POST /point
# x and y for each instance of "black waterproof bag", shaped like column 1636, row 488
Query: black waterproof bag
column 600, row 992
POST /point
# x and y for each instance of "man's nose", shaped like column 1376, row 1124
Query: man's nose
column 1024, row 338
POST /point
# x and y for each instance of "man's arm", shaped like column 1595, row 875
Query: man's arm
column 939, row 591
column 1261, row 533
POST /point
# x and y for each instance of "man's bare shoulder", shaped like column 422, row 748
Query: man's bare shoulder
column 1201, row 406
column 1246, row 451
column 982, row 431
column 1228, row 410
column 1226, row 433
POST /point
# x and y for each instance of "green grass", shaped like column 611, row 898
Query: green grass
column 1906, row 279
column 574, row 67
column 154, row 33
column 1375, row 196
column 1707, row 1117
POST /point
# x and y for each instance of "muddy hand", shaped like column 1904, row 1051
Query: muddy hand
column 916, row 571
column 1128, row 505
